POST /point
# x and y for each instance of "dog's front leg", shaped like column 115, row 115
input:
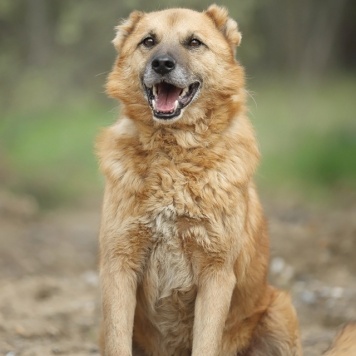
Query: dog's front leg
column 211, row 310
column 122, row 252
column 119, row 302
column 123, row 245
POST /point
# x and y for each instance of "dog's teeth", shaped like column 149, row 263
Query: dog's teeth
column 176, row 103
column 154, row 90
column 154, row 104
column 184, row 92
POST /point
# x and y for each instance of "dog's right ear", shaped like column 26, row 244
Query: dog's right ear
column 125, row 28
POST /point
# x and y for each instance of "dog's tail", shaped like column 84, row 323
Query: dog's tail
column 344, row 343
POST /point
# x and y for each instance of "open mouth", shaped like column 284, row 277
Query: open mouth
column 167, row 100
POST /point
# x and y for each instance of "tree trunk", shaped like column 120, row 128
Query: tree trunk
column 37, row 32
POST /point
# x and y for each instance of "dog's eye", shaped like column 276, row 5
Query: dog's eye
column 194, row 43
column 149, row 42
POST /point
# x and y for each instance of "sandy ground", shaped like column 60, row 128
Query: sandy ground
column 49, row 300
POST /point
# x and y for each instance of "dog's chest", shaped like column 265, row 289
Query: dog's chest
column 170, row 200
column 168, row 266
column 169, row 197
column 168, row 281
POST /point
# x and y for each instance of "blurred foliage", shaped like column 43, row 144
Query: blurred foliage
column 307, row 136
column 50, row 154
column 54, row 57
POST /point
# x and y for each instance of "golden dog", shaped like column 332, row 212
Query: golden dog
column 183, row 245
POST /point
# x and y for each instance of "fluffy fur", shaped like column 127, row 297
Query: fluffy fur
column 183, row 245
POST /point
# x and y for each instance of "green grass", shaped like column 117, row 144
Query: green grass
column 307, row 136
column 50, row 154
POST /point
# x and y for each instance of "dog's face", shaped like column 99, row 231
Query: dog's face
column 175, row 63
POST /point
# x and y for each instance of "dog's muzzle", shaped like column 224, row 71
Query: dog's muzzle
column 167, row 89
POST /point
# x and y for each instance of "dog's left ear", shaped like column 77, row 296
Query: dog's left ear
column 225, row 24
column 125, row 28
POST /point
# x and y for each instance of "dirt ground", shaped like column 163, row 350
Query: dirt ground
column 49, row 300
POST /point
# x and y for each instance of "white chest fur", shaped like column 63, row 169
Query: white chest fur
column 167, row 265
column 168, row 282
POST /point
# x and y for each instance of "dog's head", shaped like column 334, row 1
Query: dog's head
column 176, row 63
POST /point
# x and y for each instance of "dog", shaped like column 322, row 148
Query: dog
column 184, row 249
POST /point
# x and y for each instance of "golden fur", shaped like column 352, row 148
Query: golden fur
column 345, row 342
column 183, row 245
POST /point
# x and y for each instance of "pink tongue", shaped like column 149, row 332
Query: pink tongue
column 166, row 97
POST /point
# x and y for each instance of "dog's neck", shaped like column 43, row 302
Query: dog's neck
column 175, row 136
column 198, row 132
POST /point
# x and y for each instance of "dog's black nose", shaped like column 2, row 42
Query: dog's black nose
column 163, row 64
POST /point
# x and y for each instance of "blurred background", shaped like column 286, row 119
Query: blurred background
column 300, row 60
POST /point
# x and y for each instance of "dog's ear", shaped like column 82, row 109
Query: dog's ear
column 125, row 28
column 225, row 24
